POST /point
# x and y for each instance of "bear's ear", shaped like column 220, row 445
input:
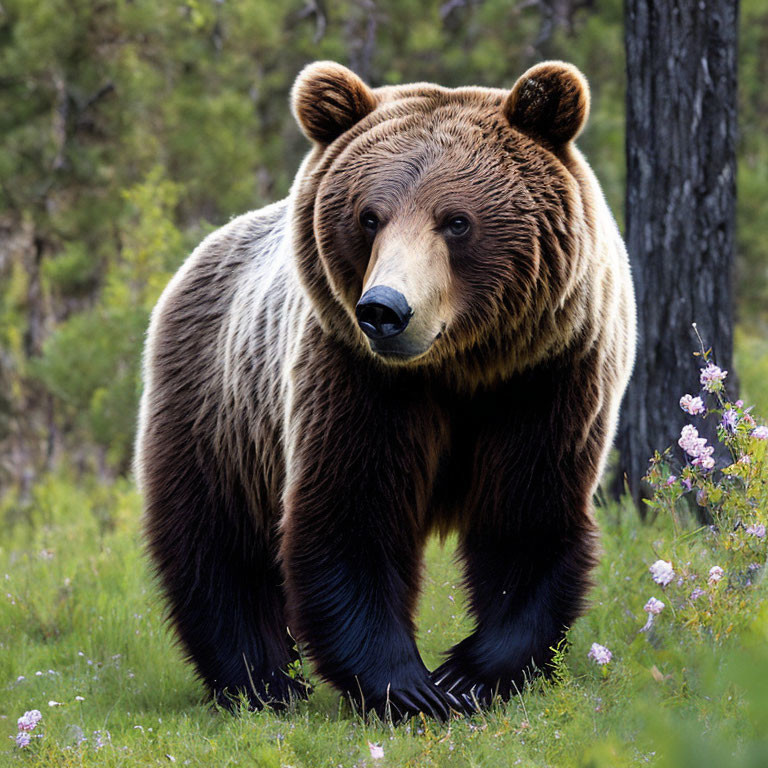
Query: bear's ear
column 328, row 99
column 550, row 102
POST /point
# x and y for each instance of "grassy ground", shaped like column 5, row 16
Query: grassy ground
column 79, row 617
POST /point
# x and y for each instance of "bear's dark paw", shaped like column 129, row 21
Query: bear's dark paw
column 459, row 680
column 278, row 693
column 401, row 704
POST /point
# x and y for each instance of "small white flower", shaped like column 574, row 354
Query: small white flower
column 712, row 378
column 692, row 444
column 376, row 750
column 705, row 462
column 600, row 654
column 654, row 606
column 662, row 572
column 761, row 433
column 715, row 574
column 692, row 405
column 53, row 703
column 79, row 698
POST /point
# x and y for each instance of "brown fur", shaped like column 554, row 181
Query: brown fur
column 292, row 474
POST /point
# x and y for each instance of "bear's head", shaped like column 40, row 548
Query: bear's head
column 435, row 224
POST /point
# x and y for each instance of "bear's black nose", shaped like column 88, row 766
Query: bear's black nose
column 382, row 312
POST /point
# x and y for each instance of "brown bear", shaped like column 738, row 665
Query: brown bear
column 432, row 333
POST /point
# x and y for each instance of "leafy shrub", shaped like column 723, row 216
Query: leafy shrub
column 730, row 556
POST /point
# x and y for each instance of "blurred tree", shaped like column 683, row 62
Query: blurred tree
column 680, row 209
column 752, row 209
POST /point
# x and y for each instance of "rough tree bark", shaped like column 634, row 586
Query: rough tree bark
column 680, row 144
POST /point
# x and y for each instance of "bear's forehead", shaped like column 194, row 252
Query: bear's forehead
column 436, row 118
column 433, row 107
column 422, row 136
column 430, row 96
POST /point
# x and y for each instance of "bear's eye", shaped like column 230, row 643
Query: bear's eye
column 458, row 225
column 369, row 221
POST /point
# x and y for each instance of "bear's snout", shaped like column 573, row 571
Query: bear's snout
column 382, row 313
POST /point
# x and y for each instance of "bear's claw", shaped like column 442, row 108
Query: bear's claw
column 426, row 697
column 470, row 694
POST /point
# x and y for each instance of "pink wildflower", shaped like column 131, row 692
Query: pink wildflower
column 712, row 378
column 671, row 480
column 22, row 739
column 654, row 607
column 691, row 443
column 715, row 574
column 704, row 459
column 761, row 433
column 29, row 720
column 600, row 654
column 756, row 530
column 662, row 572
column 692, row 405
column 697, row 593
column 730, row 421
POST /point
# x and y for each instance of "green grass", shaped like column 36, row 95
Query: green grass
column 78, row 606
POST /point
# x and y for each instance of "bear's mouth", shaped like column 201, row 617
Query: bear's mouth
column 401, row 348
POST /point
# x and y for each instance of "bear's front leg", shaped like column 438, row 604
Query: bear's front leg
column 528, row 540
column 359, row 474
column 526, row 590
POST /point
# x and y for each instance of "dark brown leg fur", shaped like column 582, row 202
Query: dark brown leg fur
column 364, row 460
column 527, row 542
column 220, row 576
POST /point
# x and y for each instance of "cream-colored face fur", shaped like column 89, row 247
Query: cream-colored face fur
column 410, row 257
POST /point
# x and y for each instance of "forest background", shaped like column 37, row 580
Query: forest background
column 131, row 129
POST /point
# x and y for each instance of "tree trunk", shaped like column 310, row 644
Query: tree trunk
column 681, row 168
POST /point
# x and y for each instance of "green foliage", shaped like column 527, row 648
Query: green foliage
column 91, row 361
column 80, row 607
column 72, row 272
column 752, row 366
column 752, row 210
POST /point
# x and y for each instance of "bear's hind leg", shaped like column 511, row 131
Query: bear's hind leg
column 224, row 587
